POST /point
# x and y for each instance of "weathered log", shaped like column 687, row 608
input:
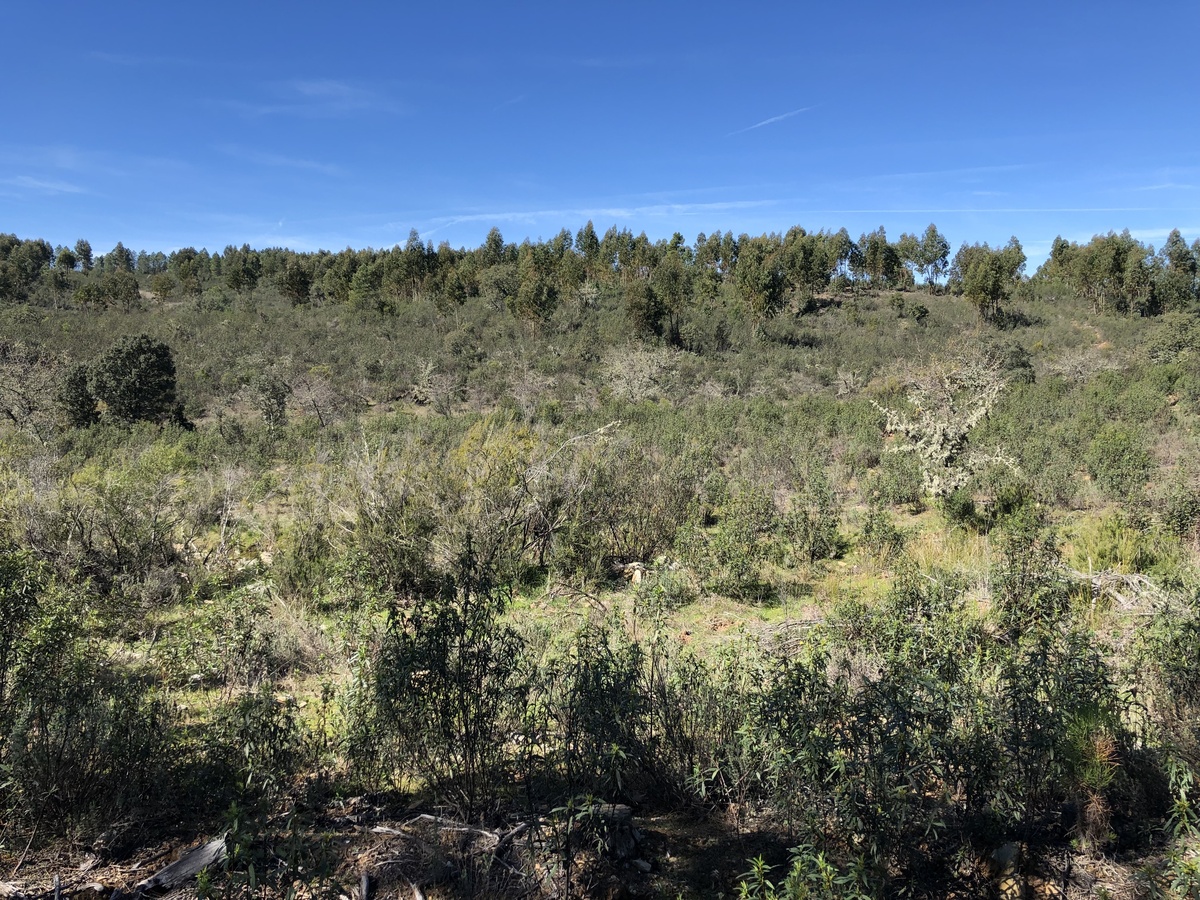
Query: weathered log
column 186, row 867
column 506, row 841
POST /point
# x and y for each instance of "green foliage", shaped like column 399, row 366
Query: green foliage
column 75, row 398
column 265, row 860
column 897, row 482
column 22, row 582
column 760, row 275
column 1117, row 458
column 270, row 393
column 262, row 729
column 812, row 876
column 880, row 536
column 81, row 739
column 135, row 380
column 228, row 642
column 810, row 523
column 444, row 689
column 729, row 558
column 325, row 514
column 590, row 712
column 987, row 276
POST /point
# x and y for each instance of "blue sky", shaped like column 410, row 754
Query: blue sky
column 331, row 125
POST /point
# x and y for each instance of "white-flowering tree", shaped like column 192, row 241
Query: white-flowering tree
column 946, row 402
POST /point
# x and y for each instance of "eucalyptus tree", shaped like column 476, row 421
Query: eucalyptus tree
column 806, row 261
column 537, row 293
column 671, row 282
column 879, row 258
column 1177, row 265
column 295, row 281
column 986, row 276
column 934, row 256
column 760, row 276
column 66, row 260
column 588, row 246
column 119, row 259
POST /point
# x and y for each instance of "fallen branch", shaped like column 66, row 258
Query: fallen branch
column 186, row 867
column 451, row 825
column 1129, row 591
column 24, row 853
column 506, row 841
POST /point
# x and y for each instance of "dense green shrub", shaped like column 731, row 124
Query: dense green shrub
column 880, row 535
column 82, row 739
column 442, row 692
column 135, row 380
column 810, row 522
column 729, row 557
column 590, row 714
column 897, row 481
column 1118, row 460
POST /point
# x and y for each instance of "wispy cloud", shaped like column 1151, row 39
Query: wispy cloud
column 96, row 166
column 511, row 101
column 316, row 98
column 604, row 213
column 998, row 209
column 42, row 157
column 613, row 62
column 276, row 160
column 131, row 60
column 771, row 121
column 961, row 171
column 1167, row 186
column 43, row 186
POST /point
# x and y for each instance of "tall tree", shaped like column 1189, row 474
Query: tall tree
column 189, row 270
column 805, row 261
column 120, row 259
column 643, row 308
column 83, row 250
column 909, row 250
column 934, row 255
column 671, row 284
column 986, row 276
column 1176, row 283
column 880, row 259
column 536, row 294
column 295, row 282
column 760, row 275
column 588, row 245
column 66, row 260
column 241, row 268
column 492, row 250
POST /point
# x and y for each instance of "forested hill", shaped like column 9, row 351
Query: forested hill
column 776, row 567
column 658, row 280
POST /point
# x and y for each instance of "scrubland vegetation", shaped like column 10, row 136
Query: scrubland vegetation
column 850, row 568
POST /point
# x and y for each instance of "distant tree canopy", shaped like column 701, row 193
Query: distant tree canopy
column 655, row 281
column 1117, row 273
column 986, row 276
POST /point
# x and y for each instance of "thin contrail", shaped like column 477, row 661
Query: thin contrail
column 773, row 119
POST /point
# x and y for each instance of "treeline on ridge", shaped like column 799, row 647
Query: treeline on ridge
column 658, row 280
